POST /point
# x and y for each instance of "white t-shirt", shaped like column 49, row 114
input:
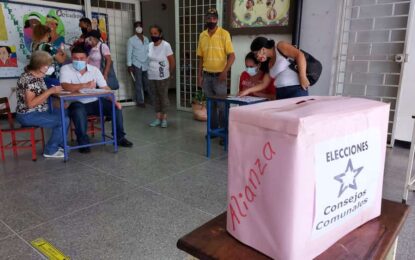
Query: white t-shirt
column 159, row 64
column 70, row 75
column 95, row 54
column 283, row 75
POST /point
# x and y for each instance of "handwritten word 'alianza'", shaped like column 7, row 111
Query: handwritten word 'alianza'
column 239, row 204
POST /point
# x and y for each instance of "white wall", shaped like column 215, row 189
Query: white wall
column 6, row 86
column 318, row 37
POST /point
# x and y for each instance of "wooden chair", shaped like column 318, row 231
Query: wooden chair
column 17, row 144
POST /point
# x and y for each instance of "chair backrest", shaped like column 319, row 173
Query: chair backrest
column 5, row 110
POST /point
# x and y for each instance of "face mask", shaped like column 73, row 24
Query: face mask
column 155, row 38
column 50, row 71
column 211, row 25
column 79, row 64
column 252, row 71
column 84, row 30
column 139, row 30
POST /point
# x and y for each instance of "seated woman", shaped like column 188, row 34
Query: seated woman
column 253, row 76
column 32, row 95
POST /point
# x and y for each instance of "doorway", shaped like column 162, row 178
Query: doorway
column 372, row 34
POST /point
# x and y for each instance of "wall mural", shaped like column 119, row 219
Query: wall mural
column 17, row 21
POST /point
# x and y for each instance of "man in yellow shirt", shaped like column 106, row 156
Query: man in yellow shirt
column 216, row 56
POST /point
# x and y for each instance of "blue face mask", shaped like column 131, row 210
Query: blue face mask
column 252, row 71
column 79, row 64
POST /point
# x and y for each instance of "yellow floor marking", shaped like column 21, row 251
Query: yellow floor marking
column 50, row 251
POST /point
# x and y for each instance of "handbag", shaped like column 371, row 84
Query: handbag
column 314, row 67
column 112, row 80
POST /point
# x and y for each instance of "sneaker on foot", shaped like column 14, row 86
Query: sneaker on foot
column 57, row 154
column 155, row 123
column 163, row 124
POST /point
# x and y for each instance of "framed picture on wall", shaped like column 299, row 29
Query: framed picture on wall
column 260, row 16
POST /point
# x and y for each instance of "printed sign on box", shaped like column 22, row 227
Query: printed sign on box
column 346, row 178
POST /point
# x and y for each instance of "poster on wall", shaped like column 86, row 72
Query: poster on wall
column 100, row 22
column 260, row 16
column 17, row 21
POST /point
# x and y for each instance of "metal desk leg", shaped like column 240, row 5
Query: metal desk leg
column 409, row 180
column 64, row 133
column 114, row 125
column 208, row 108
column 102, row 121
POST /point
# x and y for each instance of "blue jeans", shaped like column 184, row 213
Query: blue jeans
column 290, row 92
column 79, row 113
column 46, row 120
column 141, row 85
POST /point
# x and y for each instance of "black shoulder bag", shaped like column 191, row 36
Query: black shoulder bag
column 314, row 67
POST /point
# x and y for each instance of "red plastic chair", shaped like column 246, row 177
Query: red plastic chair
column 92, row 128
column 17, row 144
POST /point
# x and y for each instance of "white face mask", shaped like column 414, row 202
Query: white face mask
column 252, row 71
column 139, row 30
column 50, row 71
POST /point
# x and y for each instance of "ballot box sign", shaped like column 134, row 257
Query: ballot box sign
column 347, row 175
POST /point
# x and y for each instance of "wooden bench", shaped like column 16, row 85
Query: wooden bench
column 376, row 239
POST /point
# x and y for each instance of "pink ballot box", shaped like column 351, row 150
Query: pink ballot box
column 304, row 172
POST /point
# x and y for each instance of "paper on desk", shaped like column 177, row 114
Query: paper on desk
column 247, row 99
column 92, row 90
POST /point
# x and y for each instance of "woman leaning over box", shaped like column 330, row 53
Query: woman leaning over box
column 161, row 65
column 32, row 95
column 274, row 58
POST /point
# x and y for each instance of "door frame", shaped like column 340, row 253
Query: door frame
column 408, row 41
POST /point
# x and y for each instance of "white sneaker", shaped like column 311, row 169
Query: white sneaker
column 58, row 154
column 60, row 149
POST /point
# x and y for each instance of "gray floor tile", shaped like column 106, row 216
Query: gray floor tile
column 86, row 206
column 203, row 187
column 137, row 225
column 55, row 193
column 14, row 248
column 4, row 231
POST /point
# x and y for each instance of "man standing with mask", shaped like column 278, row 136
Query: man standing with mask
column 86, row 26
column 137, row 62
column 216, row 56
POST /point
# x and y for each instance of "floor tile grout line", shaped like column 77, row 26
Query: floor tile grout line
column 175, row 174
column 179, row 201
column 150, row 183
column 79, row 210
column 24, row 240
column 109, row 174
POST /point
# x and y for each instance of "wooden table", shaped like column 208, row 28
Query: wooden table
column 374, row 240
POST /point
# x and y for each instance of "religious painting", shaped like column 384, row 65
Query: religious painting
column 260, row 16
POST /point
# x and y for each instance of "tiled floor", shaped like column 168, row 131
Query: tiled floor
column 134, row 204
